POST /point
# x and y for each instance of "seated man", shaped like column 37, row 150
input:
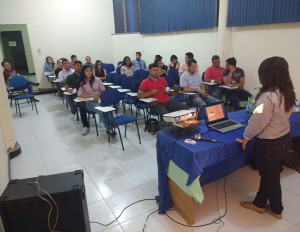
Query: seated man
column 62, row 75
column 138, row 63
column 9, row 73
column 191, row 81
column 214, row 73
column 155, row 87
column 234, row 76
column 184, row 66
column 88, row 61
column 71, row 83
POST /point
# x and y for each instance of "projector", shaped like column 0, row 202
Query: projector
column 179, row 116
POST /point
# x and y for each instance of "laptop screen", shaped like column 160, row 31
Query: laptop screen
column 215, row 113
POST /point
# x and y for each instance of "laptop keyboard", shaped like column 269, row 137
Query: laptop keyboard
column 224, row 124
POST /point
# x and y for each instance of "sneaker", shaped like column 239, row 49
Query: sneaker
column 269, row 210
column 34, row 99
column 112, row 134
column 250, row 205
column 36, row 84
column 85, row 131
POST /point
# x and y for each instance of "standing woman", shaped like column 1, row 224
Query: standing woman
column 270, row 124
column 91, row 87
column 49, row 66
column 99, row 71
column 127, row 68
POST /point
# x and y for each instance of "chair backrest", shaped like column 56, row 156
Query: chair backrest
column 136, row 85
column 118, row 70
column 127, row 83
column 203, row 76
column 138, row 73
column 120, row 62
column 18, row 82
column 119, row 79
column 174, row 73
column 170, row 80
column 110, row 97
column 110, row 77
column 109, row 67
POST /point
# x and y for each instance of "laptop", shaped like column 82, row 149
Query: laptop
column 216, row 117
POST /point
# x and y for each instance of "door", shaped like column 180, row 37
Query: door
column 14, row 52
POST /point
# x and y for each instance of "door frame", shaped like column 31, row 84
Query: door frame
column 26, row 42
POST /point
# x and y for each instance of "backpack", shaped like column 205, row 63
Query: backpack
column 292, row 158
column 152, row 125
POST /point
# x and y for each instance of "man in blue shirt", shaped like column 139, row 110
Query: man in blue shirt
column 191, row 81
column 138, row 63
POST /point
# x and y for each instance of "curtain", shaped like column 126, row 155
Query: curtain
column 158, row 16
column 255, row 12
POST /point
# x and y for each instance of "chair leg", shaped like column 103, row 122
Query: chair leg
column 35, row 108
column 137, row 128
column 16, row 106
column 19, row 109
column 120, row 137
column 31, row 102
column 96, row 126
column 125, row 130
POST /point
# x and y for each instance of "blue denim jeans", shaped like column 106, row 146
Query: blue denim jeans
column 70, row 101
column 91, row 107
column 200, row 101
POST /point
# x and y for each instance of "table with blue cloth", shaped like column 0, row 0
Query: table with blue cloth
column 204, row 161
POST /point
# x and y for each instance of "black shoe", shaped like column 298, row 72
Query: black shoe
column 74, row 110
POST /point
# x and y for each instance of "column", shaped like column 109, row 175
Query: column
column 224, row 33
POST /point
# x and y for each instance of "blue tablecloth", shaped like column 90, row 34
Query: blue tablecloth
column 210, row 160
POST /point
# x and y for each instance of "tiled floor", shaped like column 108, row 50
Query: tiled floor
column 51, row 143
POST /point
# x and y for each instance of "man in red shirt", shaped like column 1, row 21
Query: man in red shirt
column 155, row 87
column 214, row 73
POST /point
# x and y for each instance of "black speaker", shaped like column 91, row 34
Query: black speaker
column 23, row 211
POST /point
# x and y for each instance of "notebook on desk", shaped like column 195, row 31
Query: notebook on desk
column 216, row 117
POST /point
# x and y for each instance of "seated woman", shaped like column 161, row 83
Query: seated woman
column 161, row 71
column 127, row 68
column 99, row 71
column 174, row 63
column 91, row 87
column 49, row 66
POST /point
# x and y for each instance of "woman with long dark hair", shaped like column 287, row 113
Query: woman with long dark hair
column 99, row 71
column 91, row 87
column 271, row 127
column 49, row 66
column 127, row 68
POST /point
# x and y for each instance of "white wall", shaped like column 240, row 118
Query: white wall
column 252, row 44
column 61, row 28
column 203, row 43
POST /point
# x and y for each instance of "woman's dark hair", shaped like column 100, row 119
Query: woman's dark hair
column 173, row 57
column 124, row 61
column 52, row 61
column 274, row 74
column 157, row 58
column 82, row 78
column 190, row 55
column 97, row 71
